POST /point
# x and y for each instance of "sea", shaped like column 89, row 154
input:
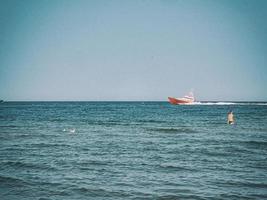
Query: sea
column 132, row 150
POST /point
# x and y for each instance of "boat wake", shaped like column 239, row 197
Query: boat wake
column 213, row 103
column 228, row 103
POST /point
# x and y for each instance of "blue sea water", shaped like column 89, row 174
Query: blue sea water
column 132, row 150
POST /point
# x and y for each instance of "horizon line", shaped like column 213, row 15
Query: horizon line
column 3, row 101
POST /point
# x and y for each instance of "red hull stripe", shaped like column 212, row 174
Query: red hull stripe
column 178, row 101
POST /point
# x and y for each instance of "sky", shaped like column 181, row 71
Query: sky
column 141, row 50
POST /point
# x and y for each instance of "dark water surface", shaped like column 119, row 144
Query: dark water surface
column 132, row 150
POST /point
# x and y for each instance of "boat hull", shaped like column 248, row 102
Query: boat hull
column 177, row 101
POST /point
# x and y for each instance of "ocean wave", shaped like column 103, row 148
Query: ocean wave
column 19, row 164
column 238, row 183
column 172, row 130
column 181, row 194
column 45, row 145
column 98, row 192
column 10, row 126
column 151, row 121
column 256, row 142
column 170, row 167
column 93, row 163
column 107, row 123
column 8, row 180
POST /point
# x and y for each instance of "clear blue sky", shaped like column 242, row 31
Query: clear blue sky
column 133, row 50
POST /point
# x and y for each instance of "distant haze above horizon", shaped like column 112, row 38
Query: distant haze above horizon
column 133, row 50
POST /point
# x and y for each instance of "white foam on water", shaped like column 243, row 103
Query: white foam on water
column 213, row 103
column 222, row 103
column 73, row 130
column 229, row 103
column 260, row 104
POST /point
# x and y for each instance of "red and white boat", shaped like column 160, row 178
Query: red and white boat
column 187, row 99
